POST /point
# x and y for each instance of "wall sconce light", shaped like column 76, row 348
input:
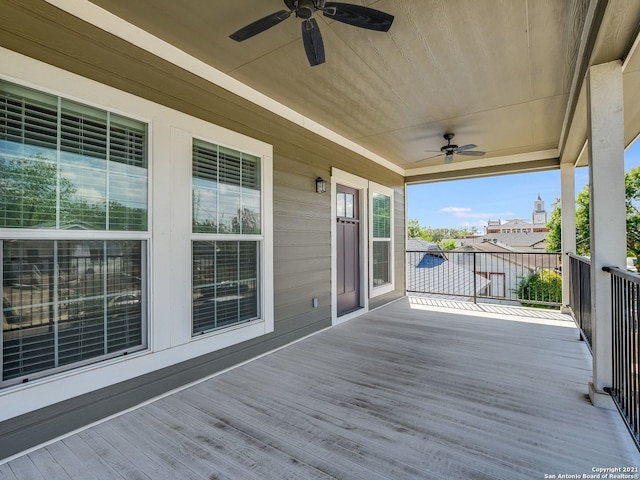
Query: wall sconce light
column 321, row 185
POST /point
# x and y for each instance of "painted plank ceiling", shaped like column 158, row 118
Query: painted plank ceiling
column 505, row 75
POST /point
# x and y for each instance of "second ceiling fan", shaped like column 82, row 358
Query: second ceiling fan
column 356, row 15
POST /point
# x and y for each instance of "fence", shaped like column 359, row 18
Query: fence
column 513, row 278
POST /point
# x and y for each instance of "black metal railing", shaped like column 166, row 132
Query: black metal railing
column 625, row 390
column 513, row 278
column 580, row 295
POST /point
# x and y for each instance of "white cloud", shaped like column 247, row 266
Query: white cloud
column 464, row 212
column 456, row 210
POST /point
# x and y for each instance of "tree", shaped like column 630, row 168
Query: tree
column 414, row 230
column 583, row 233
column 444, row 237
column 543, row 286
column 554, row 240
column 30, row 192
column 449, row 244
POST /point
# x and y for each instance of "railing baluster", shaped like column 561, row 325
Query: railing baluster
column 625, row 391
column 493, row 276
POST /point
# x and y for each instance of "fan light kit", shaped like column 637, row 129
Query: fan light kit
column 448, row 150
column 356, row 15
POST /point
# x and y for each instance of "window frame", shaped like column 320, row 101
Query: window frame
column 59, row 233
column 374, row 291
column 264, row 240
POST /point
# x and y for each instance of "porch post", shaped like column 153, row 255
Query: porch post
column 607, row 210
column 568, row 225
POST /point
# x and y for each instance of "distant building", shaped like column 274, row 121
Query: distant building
column 538, row 222
column 516, row 234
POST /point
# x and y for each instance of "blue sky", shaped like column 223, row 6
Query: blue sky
column 468, row 203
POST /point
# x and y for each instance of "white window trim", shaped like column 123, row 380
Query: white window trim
column 361, row 184
column 387, row 287
column 265, row 239
column 169, row 234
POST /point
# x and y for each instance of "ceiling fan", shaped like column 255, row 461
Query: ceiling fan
column 356, row 15
column 448, row 150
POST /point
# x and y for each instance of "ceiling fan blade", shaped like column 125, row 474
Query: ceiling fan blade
column 312, row 40
column 466, row 147
column 358, row 16
column 448, row 158
column 471, row 153
column 260, row 26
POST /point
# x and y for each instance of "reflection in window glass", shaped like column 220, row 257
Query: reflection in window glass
column 224, row 284
column 66, row 302
column 381, row 216
column 94, row 179
column 341, row 204
column 227, row 200
column 381, row 268
column 226, row 190
column 349, row 205
column 381, row 233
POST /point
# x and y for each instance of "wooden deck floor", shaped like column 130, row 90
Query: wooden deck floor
column 411, row 390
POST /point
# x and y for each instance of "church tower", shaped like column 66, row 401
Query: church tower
column 539, row 215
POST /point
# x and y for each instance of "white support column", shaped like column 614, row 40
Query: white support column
column 607, row 210
column 568, row 234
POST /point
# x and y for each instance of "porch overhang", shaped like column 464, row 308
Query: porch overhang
column 513, row 84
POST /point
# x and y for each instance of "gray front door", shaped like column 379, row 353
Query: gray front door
column 348, row 250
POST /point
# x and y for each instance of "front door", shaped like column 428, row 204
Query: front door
column 348, row 249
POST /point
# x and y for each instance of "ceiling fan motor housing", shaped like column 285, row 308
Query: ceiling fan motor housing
column 305, row 8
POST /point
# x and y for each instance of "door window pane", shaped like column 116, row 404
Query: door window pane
column 349, row 205
column 341, row 205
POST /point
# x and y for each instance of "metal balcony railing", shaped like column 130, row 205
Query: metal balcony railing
column 512, row 278
column 625, row 391
column 580, row 295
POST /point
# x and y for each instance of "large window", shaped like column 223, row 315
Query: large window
column 73, row 183
column 227, row 227
column 381, row 256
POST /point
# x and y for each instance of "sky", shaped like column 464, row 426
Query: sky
column 469, row 203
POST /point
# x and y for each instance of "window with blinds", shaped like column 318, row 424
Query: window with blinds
column 226, row 190
column 381, row 239
column 226, row 201
column 64, row 165
column 69, row 302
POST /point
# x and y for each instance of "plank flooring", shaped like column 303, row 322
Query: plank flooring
column 413, row 390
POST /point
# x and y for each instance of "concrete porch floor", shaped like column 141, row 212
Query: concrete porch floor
column 417, row 389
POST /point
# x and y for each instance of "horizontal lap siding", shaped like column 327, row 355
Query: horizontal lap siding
column 301, row 222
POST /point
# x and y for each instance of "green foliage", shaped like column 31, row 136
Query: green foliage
column 449, row 244
column 444, row 237
column 35, row 193
column 544, row 286
column 29, row 192
column 554, row 241
column 583, row 232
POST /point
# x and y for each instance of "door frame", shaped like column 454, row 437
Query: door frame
column 339, row 177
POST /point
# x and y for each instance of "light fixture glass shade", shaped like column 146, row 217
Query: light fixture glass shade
column 321, row 185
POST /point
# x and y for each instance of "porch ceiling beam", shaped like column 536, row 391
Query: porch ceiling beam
column 523, row 166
